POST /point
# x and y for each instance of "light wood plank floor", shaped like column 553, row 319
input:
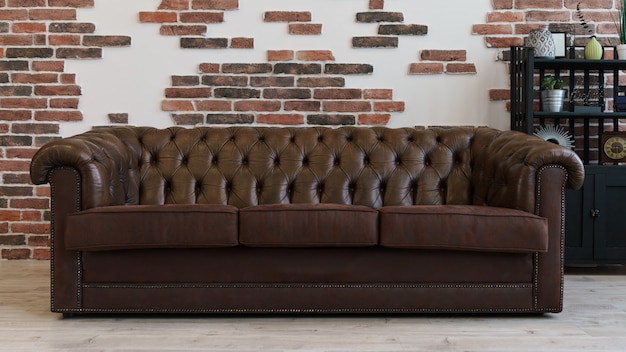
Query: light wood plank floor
column 594, row 319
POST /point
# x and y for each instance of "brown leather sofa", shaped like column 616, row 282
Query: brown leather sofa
column 306, row 220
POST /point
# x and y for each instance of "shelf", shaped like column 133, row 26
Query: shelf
column 581, row 115
column 579, row 64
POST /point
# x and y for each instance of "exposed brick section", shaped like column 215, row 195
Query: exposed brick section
column 442, row 61
column 388, row 29
column 307, row 88
column 190, row 19
column 121, row 118
column 36, row 95
column 305, row 28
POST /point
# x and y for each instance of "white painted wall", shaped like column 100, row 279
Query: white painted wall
column 133, row 79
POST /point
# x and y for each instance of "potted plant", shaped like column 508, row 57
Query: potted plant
column 552, row 94
column 620, row 26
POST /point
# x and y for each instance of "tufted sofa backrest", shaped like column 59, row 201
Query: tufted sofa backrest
column 245, row 166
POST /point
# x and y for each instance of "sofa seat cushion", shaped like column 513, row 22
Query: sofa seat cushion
column 153, row 226
column 463, row 227
column 308, row 225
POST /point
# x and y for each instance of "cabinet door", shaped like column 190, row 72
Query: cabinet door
column 579, row 239
column 610, row 227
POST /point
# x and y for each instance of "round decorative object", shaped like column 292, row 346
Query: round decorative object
column 543, row 43
column 593, row 49
column 555, row 135
column 613, row 147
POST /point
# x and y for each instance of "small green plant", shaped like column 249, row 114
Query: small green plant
column 551, row 82
column 582, row 20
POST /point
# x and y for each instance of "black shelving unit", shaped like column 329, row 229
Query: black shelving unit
column 595, row 227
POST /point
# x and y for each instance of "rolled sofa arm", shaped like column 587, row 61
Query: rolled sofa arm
column 106, row 162
column 507, row 167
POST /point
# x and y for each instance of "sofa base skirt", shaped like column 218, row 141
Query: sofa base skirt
column 314, row 280
column 308, row 299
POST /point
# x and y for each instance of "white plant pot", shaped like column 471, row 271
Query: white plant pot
column 621, row 51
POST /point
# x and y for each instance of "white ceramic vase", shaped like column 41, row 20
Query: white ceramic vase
column 542, row 42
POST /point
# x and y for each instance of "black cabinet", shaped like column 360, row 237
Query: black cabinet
column 595, row 224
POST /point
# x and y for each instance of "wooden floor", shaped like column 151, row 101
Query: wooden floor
column 594, row 319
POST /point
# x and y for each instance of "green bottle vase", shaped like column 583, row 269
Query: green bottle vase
column 593, row 49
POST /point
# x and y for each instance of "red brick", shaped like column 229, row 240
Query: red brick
column 58, row 116
column 39, row 241
column 503, row 42
column 377, row 94
column 10, row 215
column 31, row 227
column 202, row 17
column 389, row 106
column 376, row 4
column 539, row 4
column 502, row 4
column 29, row 27
column 34, row 78
column 13, row 15
column 15, row 253
column 174, row 5
column 460, row 68
column 315, row 55
column 64, row 39
column 66, row 89
column 158, row 17
column 338, row 93
column 15, row 115
column 505, row 16
column 300, row 105
column 347, row 106
column 71, row 3
column 257, row 105
column 374, row 119
column 215, row 4
column 214, row 105
column 54, row 66
column 242, row 43
column 282, row 119
column 483, row 29
column 287, row 16
column 52, row 14
column 499, row 94
column 176, row 105
column 443, row 55
column 280, row 55
column 23, row 103
column 16, row 39
column 183, row 30
column 305, row 28
column 209, row 68
column 32, row 215
column 188, row 92
column 41, row 253
column 427, row 68
column 64, row 103
column 29, row 203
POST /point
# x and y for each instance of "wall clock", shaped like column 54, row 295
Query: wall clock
column 613, row 147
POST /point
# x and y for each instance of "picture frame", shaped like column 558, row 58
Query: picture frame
column 560, row 42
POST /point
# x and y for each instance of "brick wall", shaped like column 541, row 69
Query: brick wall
column 290, row 87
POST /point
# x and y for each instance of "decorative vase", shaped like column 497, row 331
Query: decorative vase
column 621, row 51
column 593, row 49
column 542, row 41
